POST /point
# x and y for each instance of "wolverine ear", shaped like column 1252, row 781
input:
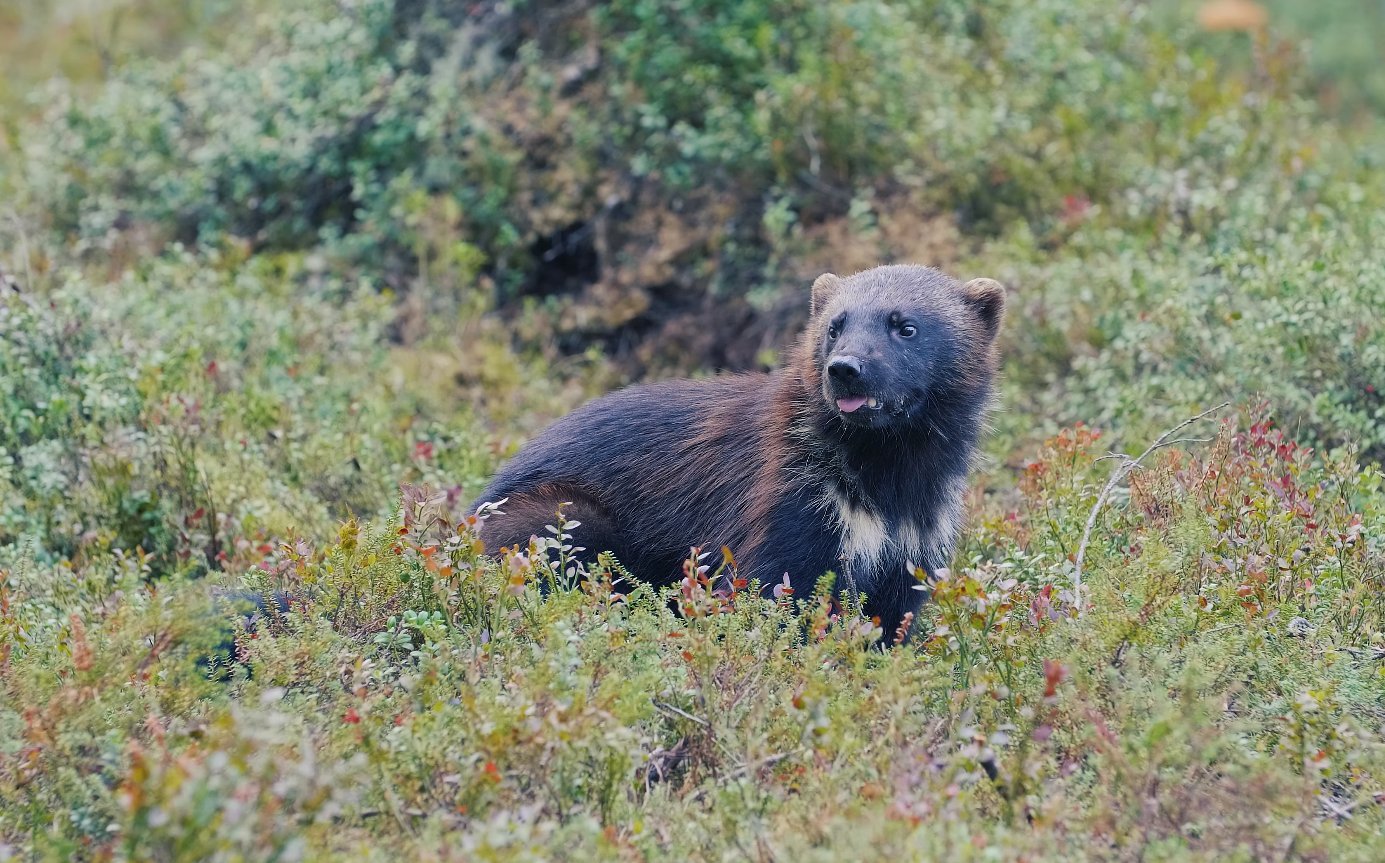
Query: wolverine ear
column 824, row 287
column 987, row 297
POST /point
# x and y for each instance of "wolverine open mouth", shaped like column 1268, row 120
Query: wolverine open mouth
column 851, row 404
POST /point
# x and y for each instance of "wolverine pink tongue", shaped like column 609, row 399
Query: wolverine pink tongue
column 846, row 406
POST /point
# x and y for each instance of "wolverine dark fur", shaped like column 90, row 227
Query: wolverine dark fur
column 852, row 458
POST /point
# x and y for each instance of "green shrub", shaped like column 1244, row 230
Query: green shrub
column 456, row 696
column 1143, row 336
column 389, row 133
column 202, row 407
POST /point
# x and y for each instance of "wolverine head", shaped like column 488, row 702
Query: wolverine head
column 893, row 343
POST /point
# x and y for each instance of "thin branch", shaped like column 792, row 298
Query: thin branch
column 1127, row 465
column 23, row 237
column 1184, row 440
column 744, row 770
column 1374, row 653
column 1126, row 456
column 671, row 709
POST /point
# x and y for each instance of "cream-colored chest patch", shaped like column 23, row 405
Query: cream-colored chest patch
column 866, row 538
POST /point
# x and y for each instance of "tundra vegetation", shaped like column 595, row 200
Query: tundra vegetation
column 283, row 284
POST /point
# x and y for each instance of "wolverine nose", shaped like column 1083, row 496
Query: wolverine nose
column 844, row 369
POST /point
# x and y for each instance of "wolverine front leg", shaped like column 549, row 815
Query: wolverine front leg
column 893, row 599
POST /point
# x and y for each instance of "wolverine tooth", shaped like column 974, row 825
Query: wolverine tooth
column 873, row 403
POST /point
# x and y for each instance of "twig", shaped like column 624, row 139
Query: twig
column 745, row 770
column 670, row 708
column 1127, row 465
column 1176, row 442
column 23, row 237
column 1374, row 653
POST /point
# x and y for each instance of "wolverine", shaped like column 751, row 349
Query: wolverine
column 851, row 458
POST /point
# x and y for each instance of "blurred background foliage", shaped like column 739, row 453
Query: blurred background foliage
column 656, row 181
column 263, row 263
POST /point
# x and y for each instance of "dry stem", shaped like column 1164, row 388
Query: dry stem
column 1127, row 464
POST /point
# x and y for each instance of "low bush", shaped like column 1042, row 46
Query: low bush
column 1212, row 694
column 201, row 407
column 435, row 141
column 1143, row 335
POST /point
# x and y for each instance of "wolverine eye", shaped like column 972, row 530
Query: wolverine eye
column 908, row 331
column 834, row 330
